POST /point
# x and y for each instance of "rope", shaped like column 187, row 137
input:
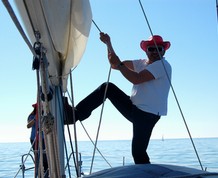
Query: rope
column 40, row 154
column 217, row 8
column 18, row 25
column 98, row 130
column 21, row 166
column 39, row 128
column 64, row 139
column 89, row 139
column 75, row 133
column 71, row 145
column 39, row 114
column 174, row 93
column 101, row 114
column 96, row 25
column 94, row 145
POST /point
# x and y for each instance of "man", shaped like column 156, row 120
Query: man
column 148, row 101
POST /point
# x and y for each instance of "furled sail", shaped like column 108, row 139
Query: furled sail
column 64, row 29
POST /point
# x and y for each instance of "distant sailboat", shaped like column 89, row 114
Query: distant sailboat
column 162, row 138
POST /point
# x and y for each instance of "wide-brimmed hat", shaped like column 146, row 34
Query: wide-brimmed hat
column 155, row 39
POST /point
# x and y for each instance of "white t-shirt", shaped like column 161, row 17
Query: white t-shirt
column 152, row 96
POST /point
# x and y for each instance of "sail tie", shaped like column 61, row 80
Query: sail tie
column 174, row 93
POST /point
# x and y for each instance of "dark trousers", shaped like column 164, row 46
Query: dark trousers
column 143, row 122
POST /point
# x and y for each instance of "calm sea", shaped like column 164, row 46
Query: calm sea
column 117, row 153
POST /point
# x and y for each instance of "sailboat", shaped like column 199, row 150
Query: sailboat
column 56, row 33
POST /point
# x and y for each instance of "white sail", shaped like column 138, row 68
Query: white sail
column 64, row 28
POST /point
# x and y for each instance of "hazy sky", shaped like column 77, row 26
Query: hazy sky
column 190, row 26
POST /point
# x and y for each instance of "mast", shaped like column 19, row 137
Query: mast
column 48, row 121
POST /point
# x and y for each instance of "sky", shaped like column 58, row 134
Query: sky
column 190, row 26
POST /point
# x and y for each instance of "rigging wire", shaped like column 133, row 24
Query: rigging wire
column 64, row 139
column 94, row 145
column 39, row 117
column 174, row 93
column 101, row 114
column 28, row 154
column 75, row 158
column 72, row 149
column 98, row 130
column 37, row 168
column 96, row 25
column 18, row 25
column 89, row 139
column 217, row 8
column 74, row 125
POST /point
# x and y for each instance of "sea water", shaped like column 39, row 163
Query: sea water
column 117, row 153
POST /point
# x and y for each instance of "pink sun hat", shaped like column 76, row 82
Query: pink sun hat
column 152, row 40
